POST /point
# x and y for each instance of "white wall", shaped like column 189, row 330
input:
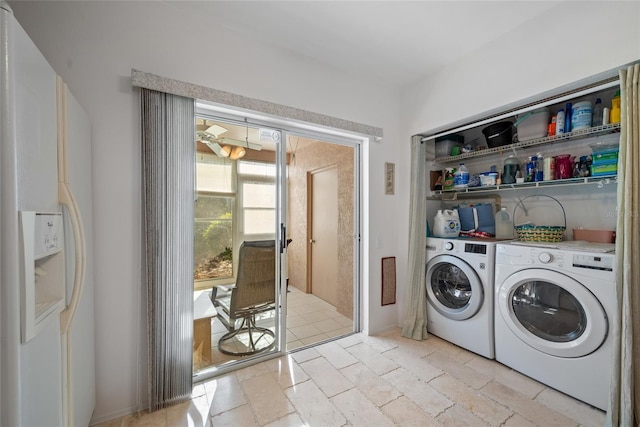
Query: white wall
column 94, row 46
column 574, row 41
column 546, row 53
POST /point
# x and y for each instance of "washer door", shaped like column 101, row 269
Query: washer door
column 453, row 287
column 552, row 312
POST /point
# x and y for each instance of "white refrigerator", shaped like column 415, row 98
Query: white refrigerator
column 47, row 352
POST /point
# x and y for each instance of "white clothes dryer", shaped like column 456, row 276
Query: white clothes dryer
column 554, row 316
column 459, row 284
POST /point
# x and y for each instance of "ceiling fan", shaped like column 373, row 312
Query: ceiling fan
column 210, row 134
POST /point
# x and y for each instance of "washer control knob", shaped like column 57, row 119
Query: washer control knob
column 545, row 257
column 448, row 246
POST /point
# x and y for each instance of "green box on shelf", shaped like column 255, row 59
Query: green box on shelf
column 598, row 170
column 605, row 157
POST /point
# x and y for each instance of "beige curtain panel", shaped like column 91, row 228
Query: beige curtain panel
column 415, row 322
column 624, row 402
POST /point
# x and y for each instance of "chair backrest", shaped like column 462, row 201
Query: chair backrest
column 256, row 280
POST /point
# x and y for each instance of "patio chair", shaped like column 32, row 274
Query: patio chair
column 251, row 295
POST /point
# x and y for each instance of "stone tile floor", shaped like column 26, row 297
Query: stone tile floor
column 309, row 321
column 380, row 380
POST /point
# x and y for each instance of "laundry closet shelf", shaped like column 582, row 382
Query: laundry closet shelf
column 580, row 134
column 600, row 181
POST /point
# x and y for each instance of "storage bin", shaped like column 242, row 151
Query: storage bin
column 595, row 236
column 533, row 124
column 498, row 134
column 488, row 178
column 604, row 147
column 444, row 144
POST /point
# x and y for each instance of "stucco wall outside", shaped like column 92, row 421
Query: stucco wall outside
column 312, row 157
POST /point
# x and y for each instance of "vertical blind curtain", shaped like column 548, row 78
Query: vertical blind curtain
column 415, row 322
column 624, row 401
column 168, row 152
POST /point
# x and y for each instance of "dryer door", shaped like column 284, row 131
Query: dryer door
column 552, row 312
column 453, row 287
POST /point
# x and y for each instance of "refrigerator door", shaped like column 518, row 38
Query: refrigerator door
column 49, row 380
column 31, row 374
column 77, row 320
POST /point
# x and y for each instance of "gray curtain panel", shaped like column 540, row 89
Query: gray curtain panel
column 168, row 152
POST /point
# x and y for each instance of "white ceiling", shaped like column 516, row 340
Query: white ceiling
column 397, row 42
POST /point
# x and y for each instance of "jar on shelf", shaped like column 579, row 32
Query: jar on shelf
column 511, row 167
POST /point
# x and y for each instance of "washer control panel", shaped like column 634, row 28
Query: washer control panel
column 545, row 257
column 539, row 256
column 593, row 262
column 474, row 248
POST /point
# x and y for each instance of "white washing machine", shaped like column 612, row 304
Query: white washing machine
column 554, row 312
column 459, row 282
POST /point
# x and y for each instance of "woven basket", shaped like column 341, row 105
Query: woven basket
column 541, row 233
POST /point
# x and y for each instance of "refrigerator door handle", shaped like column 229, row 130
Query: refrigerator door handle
column 65, row 197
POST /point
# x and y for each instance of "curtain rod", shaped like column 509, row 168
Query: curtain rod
column 177, row 87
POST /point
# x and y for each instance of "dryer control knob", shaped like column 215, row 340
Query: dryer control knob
column 545, row 257
column 448, row 246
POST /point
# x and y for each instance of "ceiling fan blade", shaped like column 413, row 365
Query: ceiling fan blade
column 237, row 142
column 216, row 148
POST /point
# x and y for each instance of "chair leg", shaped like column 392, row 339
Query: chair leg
column 249, row 327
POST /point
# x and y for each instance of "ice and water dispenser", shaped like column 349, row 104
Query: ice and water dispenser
column 43, row 290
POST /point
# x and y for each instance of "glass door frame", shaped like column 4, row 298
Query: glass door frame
column 286, row 128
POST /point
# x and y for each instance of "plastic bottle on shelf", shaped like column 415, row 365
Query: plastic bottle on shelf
column 504, row 224
column 560, row 122
column 615, row 109
column 549, row 169
column 531, row 169
column 551, row 128
column 461, row 177
column 596, row 115
column 568, row 112
column 539, row 172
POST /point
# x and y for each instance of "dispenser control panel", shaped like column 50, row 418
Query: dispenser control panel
column 48, row 233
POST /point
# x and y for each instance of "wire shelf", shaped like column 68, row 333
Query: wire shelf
column 583, row 133
column 600, row 181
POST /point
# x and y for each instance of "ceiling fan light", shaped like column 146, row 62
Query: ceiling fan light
column 225, row 151
column 238, row 153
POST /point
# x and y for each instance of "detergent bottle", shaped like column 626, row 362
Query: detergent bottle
column 615, row 109
column 446, row 223
column 504, row 224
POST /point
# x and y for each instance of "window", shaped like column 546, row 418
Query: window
column 213, row 222
column 225, row 218
column 256, row 200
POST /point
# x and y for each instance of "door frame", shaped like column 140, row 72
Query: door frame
column 288, row 128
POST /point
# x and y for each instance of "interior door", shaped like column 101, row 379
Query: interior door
column 323, row 242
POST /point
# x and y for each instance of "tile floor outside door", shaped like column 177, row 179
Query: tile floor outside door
column 309, row 320
column 380, row 380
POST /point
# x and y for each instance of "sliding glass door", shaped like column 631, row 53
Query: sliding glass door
column 277, row 211
column 239, row 242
